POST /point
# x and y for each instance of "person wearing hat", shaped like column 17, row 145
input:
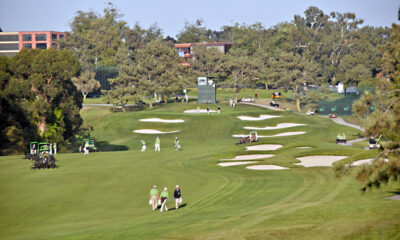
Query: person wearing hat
column 177, row 145
column 154, row 197
column 177, row 196
column 164, row 196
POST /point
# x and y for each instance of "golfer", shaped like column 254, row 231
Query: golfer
column 157, row 145
column 143, row 145
column 208, row 110
column 87, row 147
column 55, row 148
column 219, row 109
column 154, row 197
column 164, row 197
column 177, row 145
column 178, row 197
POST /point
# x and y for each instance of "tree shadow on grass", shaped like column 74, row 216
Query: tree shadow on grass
column 105, row 146
column 397, row 192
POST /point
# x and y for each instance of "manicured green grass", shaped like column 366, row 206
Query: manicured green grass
column 105, row 195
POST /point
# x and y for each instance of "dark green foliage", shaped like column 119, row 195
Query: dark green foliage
column 38, row 99
column 385, row 119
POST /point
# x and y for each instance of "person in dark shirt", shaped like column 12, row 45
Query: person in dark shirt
column 372, row 140
column 178, row 197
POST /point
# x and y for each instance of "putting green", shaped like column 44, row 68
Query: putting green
column 105, row 195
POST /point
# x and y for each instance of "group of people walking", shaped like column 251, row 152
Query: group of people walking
column 161, row 199
column 157, row 145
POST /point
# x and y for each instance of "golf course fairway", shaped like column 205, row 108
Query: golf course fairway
column 105, row 195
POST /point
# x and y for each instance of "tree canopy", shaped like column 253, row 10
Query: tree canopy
column 39, row 100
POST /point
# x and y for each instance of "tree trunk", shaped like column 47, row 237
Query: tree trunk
column 237, row 89
column 84, row 97
column 150, row 103
column 42, row 126
column 123, row 107
column 298, row 104
column 165, row 99
column 266, row 85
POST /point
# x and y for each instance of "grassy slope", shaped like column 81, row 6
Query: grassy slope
column 105, row 195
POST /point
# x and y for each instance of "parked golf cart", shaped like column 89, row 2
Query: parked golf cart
column 92, row 146
column 252, row 137
column 274, row 104
column 33, row 149
column 41, row 156
column 276, row 95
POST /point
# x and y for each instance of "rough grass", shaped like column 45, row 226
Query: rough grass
column 105, row 195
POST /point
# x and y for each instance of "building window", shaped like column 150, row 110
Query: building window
column 27, row 37
column 61, row 36
column 41, row 37
column 9, row 38
column 27, row 45
column 9, row 46
column 41, row 45
column 54, row 37
column 54, row 45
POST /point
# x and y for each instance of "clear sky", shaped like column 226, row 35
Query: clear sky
column 170, row 15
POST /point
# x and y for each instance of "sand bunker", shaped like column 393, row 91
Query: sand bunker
column 303, row 147
column 264, row 147
column 152, row 131
column 261, row 117
column 162, row 120
column 361, row 162
column 278, row 126
column 250, row 157
column 266, row 167
column 276, row 135
column 228, row 164
column 368, row 161
column 319, row 161
column 198, row 111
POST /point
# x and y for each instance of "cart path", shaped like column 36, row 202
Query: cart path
column 341, row 121
column 263, row 106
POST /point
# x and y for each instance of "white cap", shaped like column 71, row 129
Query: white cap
column 154, row 186
column 165, row 188
column 177, row 186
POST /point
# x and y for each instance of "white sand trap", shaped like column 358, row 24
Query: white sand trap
column 276, row 135
column 319, row 161
column 361, row 162
column 288, row 134
column 250, row 157
column 369, row 161
column 152, row 131
column 303, row 147
column 198, row 111
column 264, row 147
column 228, row 164
column 278, row 126
column 261, row 117
column 162, row 120
column 266, row 167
